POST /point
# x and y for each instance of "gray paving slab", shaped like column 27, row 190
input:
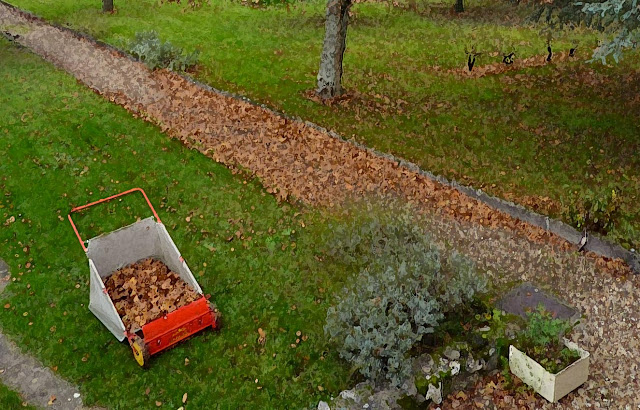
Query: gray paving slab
column 4, row 274
column 36, row 383
column 526, row 297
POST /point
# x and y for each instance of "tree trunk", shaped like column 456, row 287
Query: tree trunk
column 107, row 6
column 459, row 6
column 335, row 41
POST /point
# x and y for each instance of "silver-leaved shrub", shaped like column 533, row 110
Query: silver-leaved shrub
column 404, row 289
column 155, row 53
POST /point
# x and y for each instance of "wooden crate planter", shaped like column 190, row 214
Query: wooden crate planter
column 552, row 387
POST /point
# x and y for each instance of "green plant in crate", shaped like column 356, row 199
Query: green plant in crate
column 542, row 341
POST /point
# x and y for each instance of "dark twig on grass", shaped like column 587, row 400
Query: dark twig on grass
column 10, row 37
column 508, row 59
column 471, row 56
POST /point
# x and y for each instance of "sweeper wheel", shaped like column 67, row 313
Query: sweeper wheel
column 217, row 316
column 140, row 351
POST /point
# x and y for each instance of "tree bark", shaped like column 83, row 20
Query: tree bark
column 107, row 6
column 335, row 41
column 459, row 6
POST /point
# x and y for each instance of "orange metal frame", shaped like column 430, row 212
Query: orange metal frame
column 178, row 325
column 80, row 208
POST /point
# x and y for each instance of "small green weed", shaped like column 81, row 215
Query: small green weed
column 598, row 211
column 542, row 341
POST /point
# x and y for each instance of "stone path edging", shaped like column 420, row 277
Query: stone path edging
column 599, row 246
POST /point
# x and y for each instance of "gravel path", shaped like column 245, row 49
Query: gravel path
column 293, row 159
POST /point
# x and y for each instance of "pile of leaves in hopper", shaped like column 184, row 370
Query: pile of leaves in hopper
column 147, row 290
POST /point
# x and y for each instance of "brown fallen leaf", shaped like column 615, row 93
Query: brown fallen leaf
column 263, row 336
column 138, row 298
column 51, row 400
column 158, row 403
column 184, row 398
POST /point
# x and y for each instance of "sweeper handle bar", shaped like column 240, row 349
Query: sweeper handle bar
column 80, row 208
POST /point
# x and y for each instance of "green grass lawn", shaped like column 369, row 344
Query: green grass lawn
column 61, row 146
column 10, row 400
column 537, row 133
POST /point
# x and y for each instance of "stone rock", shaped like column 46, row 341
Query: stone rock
column 434, row 393
column 443, row 365
column 492, row 361
column 386, row 399
column 424, row 364
column 455, row 367
column 323, row 405
column 451, row 353
column 474, row 365
column 354, row 398
column 409, row 386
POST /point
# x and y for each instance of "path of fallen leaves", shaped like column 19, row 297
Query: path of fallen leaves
column 147, row 290
column 295, row 159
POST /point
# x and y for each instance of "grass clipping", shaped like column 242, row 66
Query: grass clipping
column 147, row 290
